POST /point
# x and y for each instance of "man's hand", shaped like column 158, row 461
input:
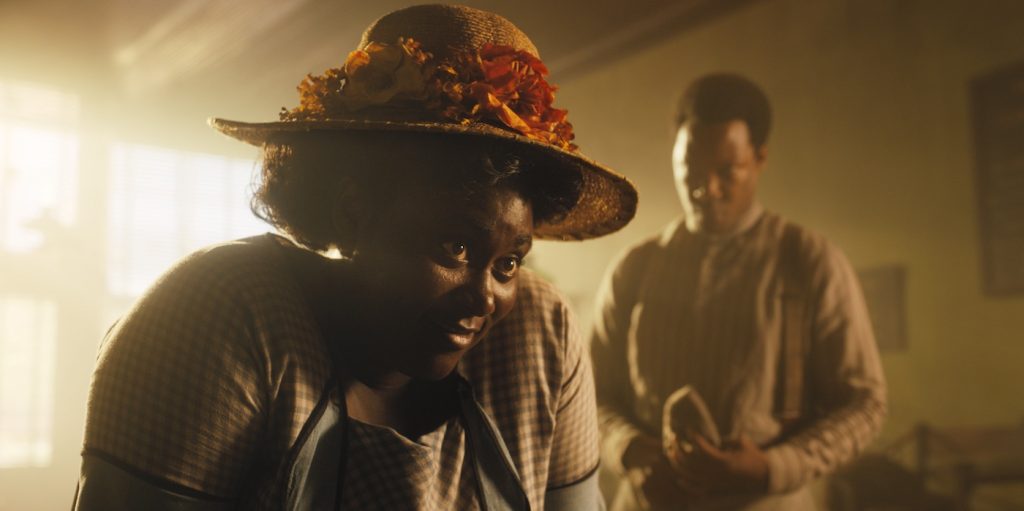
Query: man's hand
column 737, row 469
column 654, row 480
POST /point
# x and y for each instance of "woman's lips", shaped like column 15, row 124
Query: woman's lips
column 460, row 334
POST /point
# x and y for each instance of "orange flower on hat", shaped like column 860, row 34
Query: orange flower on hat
column 513, row 89
column 497, row 85
column 381, row 74
column 317, row 96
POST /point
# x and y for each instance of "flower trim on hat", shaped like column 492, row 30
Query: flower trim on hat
column 496, row 84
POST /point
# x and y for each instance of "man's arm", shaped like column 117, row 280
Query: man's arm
column 626, row 448
column 615, row 303
column 845, row 378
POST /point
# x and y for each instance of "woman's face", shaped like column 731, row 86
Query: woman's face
column 437, row 271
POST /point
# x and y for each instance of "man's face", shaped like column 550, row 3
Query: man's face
column 716, row 169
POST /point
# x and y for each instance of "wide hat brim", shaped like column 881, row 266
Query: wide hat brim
column 607, row 200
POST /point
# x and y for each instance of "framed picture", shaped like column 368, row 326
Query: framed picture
column 998, row 109
column 886, row 296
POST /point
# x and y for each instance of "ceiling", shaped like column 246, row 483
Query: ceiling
column 185, row 59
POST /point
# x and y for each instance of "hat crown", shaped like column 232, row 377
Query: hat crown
column 447, row 30
column 449, row 69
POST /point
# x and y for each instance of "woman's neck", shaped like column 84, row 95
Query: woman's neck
column 412, row 409
column 375, row 392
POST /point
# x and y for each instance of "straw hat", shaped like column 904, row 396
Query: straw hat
column 458, row 70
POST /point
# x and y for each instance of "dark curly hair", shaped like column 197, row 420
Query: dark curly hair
column 724, row 97
column 301, row 176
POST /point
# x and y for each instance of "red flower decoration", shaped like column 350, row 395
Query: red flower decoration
column 497, row 84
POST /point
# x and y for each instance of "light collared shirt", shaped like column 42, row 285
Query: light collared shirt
column 686, row 308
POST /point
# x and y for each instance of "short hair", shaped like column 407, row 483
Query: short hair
column 724, row 97
column 299, row 182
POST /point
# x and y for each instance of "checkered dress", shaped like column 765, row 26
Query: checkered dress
column 204, row 387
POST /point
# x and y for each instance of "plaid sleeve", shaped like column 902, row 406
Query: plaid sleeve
column 574, row 449
column 531, row 376
column 179, row 390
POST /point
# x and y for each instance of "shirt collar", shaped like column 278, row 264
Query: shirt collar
column 747, row 221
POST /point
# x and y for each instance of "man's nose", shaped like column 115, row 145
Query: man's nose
column 711, row 188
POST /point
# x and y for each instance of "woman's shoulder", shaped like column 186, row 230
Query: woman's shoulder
column 536, row 291
column 208, row 295
column 542, row 314
column 229, row 260
column 535, row 337
column 524, row 372
column 192, row 348
column 234, row 272
column 226, row 297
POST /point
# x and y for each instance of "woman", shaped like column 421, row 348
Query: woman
column 419, row 367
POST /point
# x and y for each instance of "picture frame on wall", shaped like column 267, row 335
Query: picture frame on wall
column 885, row 294
column 997, row 102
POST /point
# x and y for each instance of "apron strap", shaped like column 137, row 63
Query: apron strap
column 318, row 464
column 499, row 483
column 317, row 467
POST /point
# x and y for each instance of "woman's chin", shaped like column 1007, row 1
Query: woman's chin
column 435, row 368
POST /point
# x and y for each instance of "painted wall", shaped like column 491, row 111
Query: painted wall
column 872, row 147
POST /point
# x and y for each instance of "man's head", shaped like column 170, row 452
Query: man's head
column 723, row 122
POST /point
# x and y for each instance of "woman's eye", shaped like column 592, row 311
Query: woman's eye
column 455, row 250
column 508, row 266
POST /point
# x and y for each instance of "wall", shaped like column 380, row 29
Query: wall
column 872, row 147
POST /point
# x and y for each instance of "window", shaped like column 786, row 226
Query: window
column 28, row 336
column 38, row 163
column 164, row 204
column 38, row 190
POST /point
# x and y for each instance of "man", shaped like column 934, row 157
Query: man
column 763, row 318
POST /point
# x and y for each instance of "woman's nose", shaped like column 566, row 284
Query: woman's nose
column 479, row 293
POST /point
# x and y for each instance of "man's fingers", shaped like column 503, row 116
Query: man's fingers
column 684, row 478
column 678, row 452
column 705, row 447
column 695, row 473
column 747, row 444
column 662, row 485
column 692, row 487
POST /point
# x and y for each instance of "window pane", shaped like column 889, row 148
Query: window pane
column 39, row 151
column 165, row 204
column 28, row 335
column 38, row 163
column 37, row 103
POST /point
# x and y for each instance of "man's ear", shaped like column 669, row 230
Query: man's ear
column 348, row 212
column 760, row 157
column 761, row 153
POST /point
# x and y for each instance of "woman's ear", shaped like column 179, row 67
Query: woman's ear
column 347, row 214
